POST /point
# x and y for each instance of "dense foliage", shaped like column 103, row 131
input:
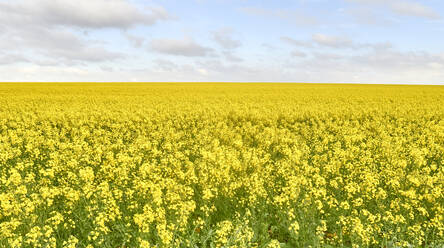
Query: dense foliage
column 221, row 165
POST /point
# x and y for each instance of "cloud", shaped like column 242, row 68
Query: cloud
column 298, row 54
column 332, row 41
column 166, row 65
column 7, row 59
column 88, row 54
column 396, row 60
column 373, row 66
column 328, row 56
column 56, row 31
column 368, row 16
column 135, row 40
column 219, row 71
column 82, row 13
column 107, row 68
column 413, row 9
column 185, row 47
column 66, row 45
column 170, row 67
column 295, row 17
column 55, row 46
column 224, row 38
column 403, row 7
column 294, row 42
column 335, row 42
column 269, row 46
column 231, row 57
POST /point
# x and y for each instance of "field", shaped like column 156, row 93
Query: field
column 221, row 165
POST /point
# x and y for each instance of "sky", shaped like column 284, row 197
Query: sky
column 319, row 41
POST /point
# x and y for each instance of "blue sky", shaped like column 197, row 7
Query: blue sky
column 325, row 41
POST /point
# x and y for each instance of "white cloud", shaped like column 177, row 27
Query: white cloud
column 49, row 32
column 372, row 66
column 80, row 13
column 328, row 56
column 294, row 42
column 332, row 41
column 136, row 41
column 298, row 54
column 414, row 9
column 66, row 45
column 166, row 65
column 229, row 56
column 398, row 61
column 219, row 71
column 202, row 71
column 295, row 17
column 224, row 38
column 403, row 7
column 6, row 59
column 183, row 47
column 369, row 16
column 268, row 46
column 54, row 46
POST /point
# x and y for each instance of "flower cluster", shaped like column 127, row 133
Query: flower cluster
column 221, row 165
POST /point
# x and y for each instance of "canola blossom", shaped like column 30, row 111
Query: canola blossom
column 221, row 165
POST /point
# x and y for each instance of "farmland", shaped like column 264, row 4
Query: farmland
column 221, row 165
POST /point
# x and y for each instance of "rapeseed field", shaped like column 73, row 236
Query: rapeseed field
column 221, row 165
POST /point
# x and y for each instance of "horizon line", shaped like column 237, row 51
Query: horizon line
column 217, row 82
